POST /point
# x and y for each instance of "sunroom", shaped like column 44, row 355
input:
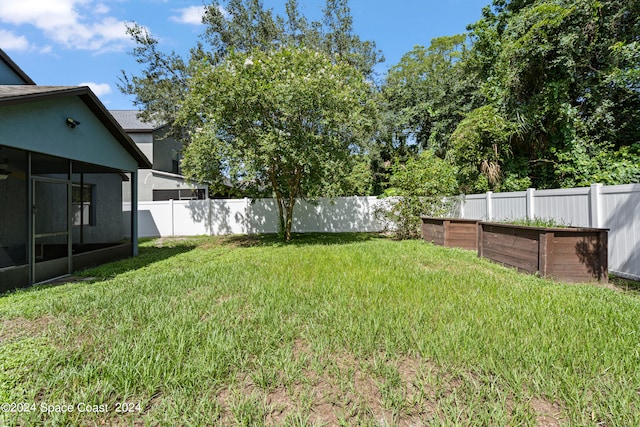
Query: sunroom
column 63, row 159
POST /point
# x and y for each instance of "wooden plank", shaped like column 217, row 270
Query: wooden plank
column 450, row 232
column 578, row 268
column 527, row 233
column 527, row 250
column 461, row 234
column 527, row 264
column 432, row 233
column 463, row 243
column 446, row 225
column 510, row 236
column 511, row 257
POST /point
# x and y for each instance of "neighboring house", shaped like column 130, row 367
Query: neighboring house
column 163, row 181
column 63, row 159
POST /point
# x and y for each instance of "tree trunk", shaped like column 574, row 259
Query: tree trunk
column 281, row 216
column 289, row 222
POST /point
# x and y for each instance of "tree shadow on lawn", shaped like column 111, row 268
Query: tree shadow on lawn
column 299, row 239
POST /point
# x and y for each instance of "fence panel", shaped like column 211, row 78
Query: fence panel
column 509, row 206
column 190, row 217
column 154, row 219
column 475, row 206
column 565, row 206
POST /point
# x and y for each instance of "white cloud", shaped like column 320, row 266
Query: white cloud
column 98, row 88
column 101, row 8
column 11, row 41
column 75, row 24
column 191, row 15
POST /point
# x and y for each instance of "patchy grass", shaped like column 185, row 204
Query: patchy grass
column 329, row 330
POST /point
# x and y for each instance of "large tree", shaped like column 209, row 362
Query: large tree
column 427, row 92
column 288, row 120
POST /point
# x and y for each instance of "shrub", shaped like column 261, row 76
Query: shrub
column 424, row 185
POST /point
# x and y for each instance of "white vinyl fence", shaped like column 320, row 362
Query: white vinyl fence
column 615, row 207
column 241, row 216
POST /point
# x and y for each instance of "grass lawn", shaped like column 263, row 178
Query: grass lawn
column 329, row 330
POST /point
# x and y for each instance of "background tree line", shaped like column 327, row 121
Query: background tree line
column 540, row 93
column 537, row 93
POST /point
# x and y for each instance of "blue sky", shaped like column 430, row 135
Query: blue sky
column 83, row 42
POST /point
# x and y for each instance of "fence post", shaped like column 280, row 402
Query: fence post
column 172, row 218
column 594, row 206
column 531, row 208
column 462, row 202
column 209, row 209
column 489, row 206
column 247, row 207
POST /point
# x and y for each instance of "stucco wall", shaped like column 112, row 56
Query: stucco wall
column 162, row 150
column 8, row 77
column 144, row 141
column 148, row 181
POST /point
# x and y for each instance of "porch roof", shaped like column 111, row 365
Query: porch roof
column 22, row 94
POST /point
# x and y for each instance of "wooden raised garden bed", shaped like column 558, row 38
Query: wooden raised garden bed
column 566, row 254
column 451, row 232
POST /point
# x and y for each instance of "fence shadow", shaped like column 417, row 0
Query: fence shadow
column 147, row 226
column 260, row 216
column 622, row 222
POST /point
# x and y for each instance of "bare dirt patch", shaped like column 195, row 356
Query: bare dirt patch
column 70, row 279
column 548, row 414
column 347, row 390
column 20, row 327
column 342, row 389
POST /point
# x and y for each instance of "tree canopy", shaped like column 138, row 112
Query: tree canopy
column 287, row 120
column 240, row 26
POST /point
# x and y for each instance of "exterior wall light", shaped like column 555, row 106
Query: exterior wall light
column 72, row 123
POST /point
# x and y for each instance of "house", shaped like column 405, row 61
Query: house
column 163, row 181
column 63, row 160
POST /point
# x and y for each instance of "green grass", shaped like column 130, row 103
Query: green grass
column 329, row 330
